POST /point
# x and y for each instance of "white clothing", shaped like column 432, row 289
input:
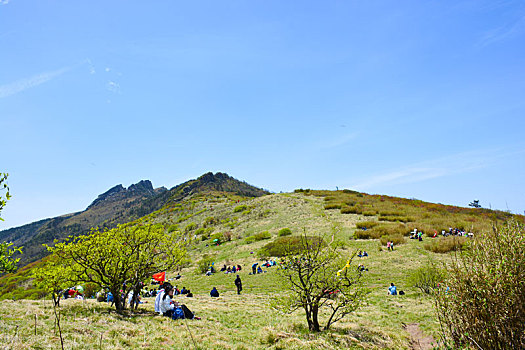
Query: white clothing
column 157, row 299
column 166, row 304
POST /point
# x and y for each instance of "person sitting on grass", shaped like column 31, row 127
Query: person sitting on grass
column 392, row 290
column 189, row 294
column 172, row 309
column 259, row 269
column 360, row 254
column 365, row 253
column 214, row 293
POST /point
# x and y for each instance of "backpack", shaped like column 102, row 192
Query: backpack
column 178, row 314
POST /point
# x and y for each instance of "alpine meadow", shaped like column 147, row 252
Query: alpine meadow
column 323, row 292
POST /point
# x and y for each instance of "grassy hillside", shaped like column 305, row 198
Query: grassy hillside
column 248, row 321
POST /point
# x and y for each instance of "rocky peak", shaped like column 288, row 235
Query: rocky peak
column 143, row 186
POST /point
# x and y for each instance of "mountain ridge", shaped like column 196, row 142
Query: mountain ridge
column 117, row 205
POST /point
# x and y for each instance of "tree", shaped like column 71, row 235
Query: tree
column 53, row 277
column 321, row 281
column 120, row 258
column 7, row 261
column 480, row 303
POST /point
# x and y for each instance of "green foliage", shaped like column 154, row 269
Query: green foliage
column 173, row 228
column 284, row 232
column 190, row 227
column 366, row 224
column 7, row 261
column 217, row 236
column 332, row 206
column 205, row 262
column 53, row 276
column 319, row 278
column 210, row 221
column 258, row 237
column 427, row 278
column 446, row 244
column 481, row 302
column 3, row 187
column 240, row 208
column 127, row 253
column 355, row 209
column 289, row 245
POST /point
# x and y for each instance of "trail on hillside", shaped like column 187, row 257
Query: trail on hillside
column 418, row 340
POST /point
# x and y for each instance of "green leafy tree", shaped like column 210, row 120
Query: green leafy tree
column 321, row 281
column 7, row 251
column 53, row 277
column 120, row 258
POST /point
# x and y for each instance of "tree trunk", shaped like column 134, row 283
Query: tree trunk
column 315, row 320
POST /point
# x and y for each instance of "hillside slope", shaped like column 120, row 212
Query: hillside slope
column 115, row 206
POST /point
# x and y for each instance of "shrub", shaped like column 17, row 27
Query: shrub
column 366, row 224
column 361, row 234
column 332, row 206
column 285, row 232
column 396, row 238
column 240, row 208
column 210, row 220
column 356, row 209
column 369, row 213
column 282, row 245
column 446, row 244
column 173, row 228
column 249, row 239
column 482, row 305
column 200, row 231
column 393, row 218
column 190, row 227
column 205, row 263
column 427, row 278
column 227, row 236
column 218, row 236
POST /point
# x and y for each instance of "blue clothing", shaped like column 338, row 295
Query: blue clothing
column 214, row 293
column 392, row 290
column 110, row 297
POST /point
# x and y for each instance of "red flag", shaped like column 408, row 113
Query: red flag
column 161, row 276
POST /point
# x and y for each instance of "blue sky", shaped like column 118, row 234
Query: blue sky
column 418, row 99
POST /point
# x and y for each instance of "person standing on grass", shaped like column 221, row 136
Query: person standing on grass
column 238, row 284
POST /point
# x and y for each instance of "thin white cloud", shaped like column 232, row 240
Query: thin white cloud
column 28, row 83
column 506, row 31
column 440, row 167
column 4, row 2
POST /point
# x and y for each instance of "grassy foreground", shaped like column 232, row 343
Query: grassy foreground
column 233, row 321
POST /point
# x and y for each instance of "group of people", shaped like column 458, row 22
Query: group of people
column 362, row 254
column 416, row 235
column 390, row 245
column 231, row 269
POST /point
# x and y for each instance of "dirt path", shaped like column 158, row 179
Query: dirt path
column 418, row 341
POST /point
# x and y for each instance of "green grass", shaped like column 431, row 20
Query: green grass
column 248, row 321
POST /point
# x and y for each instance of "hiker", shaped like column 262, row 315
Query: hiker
column 169, row 308
column 238, row 268
column 254, row 268
column 392, row 290
column 238, row 284
column 214, row 293
column 160, row 294
column 259, row 270
column 184, row 290
column 189, row 294
column 365, row 253
column 360, row 254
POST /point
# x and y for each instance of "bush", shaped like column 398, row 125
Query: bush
column 291, row 244
column 446, row 244
column 285, row 232
column 258, row 237
column 332, row 206
column 190, row 227
column 427, row 278
column 200, row 231
column 393, row 218
column 205, row 263
column 227, row 236
column 240, row 208
column 482, row 305
column 369, row 213
column 210, row 221
column 356, row 209
column 397, row 239
column 218, row 236
column 173, row 228
column 366, row 224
